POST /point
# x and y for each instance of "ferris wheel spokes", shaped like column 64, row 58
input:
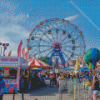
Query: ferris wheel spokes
column 68, row 34
column 73, row 39
column 66, row 55
column 57, row 30
column 41, row 39
column 46, row 35
column 71, row 51
column 51, row 31
column 39, row 45
column 33, row 51
column 71, row 46
column 62, row 32
column 56, row 38
column 48, row 54
column 42, row 51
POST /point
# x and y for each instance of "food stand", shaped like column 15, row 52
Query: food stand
column 12, row 68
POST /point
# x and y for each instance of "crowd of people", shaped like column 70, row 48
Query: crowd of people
column 93, row 81
column 38, row 79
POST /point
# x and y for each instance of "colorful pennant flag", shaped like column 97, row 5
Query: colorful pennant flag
column 4, row 50
column 23, row 52
column 67, row 65
column 26, row 55
column 9, row 54
column 19, row 49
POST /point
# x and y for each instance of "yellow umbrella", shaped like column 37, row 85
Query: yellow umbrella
column 77, row 66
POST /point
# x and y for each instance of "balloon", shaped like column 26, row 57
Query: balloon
column 92, row 56
column 89, row 66
column 87, row 62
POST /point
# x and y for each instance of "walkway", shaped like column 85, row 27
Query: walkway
column 47, row 93
column 44, row 93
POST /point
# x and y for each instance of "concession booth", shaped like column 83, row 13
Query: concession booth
column 12, row 68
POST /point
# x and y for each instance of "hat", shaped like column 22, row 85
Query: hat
column 1, row 76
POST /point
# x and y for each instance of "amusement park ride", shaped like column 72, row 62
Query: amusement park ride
column 56, row 39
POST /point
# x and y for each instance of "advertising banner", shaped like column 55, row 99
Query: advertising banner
column 9, row 61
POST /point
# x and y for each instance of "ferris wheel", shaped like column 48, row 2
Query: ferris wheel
column 57, row 40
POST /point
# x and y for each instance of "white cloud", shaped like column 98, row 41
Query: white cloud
column 12, row 18
column 14, row 53
column 10, row 30
column 70, row 18
column 6, row 40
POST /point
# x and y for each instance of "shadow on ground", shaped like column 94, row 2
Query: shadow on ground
column 44, row 91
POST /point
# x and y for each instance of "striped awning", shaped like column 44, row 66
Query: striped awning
column 37, row 63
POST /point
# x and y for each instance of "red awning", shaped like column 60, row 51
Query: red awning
column 37, row 63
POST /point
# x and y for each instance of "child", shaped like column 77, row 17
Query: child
column 90, row 90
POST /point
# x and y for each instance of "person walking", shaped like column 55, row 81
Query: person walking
column 54, row 78
column 51, row 80
column 58, row 79
column 95, row 87
column 2, row 85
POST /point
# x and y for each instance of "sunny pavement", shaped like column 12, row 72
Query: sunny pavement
column 44, row 93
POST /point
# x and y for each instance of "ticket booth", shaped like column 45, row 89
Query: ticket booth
column 11, row 68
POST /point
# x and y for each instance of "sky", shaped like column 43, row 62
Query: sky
column 19, row 17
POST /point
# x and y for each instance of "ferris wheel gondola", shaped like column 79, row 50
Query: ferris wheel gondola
column 56, row 38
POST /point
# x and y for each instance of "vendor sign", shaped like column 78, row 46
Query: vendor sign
column 12, row 62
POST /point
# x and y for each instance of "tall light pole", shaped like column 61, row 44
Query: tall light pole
column 1, row 46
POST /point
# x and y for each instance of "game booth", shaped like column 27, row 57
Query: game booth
column 13, row 69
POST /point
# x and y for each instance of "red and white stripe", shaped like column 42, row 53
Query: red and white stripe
column 37, row 63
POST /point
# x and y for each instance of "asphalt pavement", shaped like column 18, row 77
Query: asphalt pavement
column 43, row 93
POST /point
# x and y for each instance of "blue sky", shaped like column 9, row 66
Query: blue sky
column 19, row 17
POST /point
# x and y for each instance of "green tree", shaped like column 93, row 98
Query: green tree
column 45, row 60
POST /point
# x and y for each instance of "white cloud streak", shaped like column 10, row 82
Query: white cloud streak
column 85, row 15
column 70, row 18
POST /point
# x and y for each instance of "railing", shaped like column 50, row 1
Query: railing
column 74, row 88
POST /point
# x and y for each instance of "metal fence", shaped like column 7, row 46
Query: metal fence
column 77, row 91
